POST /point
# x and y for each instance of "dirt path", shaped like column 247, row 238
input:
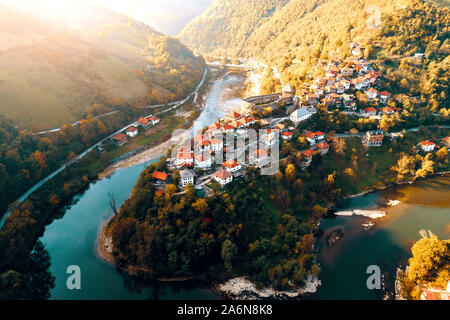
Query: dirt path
column 144, row 156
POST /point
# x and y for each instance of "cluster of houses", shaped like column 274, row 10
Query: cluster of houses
column 145, row 123
column 341, row 78
column 317, row 144
column 196, row 160
column 198, row 154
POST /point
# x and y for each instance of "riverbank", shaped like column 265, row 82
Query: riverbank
column 103, row 244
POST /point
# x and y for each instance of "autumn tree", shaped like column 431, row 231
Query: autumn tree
column 229, row 251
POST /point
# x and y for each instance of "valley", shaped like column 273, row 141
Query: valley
column 315, row 144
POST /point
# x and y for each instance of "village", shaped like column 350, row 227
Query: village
column 342, row 80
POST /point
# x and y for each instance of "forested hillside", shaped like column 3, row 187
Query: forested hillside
column 294, row 36
column 227, row 25
column 53, row 72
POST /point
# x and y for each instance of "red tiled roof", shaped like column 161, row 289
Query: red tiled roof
column 223, row 174
column 132, row 129
column 119, row 137
column 234, row 115
column 228, row 127
column 153, row 118
column 287, row 134
column 230, row 163
column 323, row 145
column 426, row 143
column 143, row 120
column 312, row 135
column 370, row 109
column 205, row 143
column 385, row 94
column 160, row 175
column 215, row 126
column 308, row 153
column 446, row 139
column 387, row 109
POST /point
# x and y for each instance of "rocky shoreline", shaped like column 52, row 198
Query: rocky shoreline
column 241, row 288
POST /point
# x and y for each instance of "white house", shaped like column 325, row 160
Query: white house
column 384, row 96
column 132, row 131
column 187, row 176
column 223, row 177
column 427, row 145
column 184, row 158
column 323, row 147
column 314, row 137
column 371, row 93
column 203, row 160
column 287, row 135
column 154, row 120
column 300, row 115
column 370, row 111
column 231, row 166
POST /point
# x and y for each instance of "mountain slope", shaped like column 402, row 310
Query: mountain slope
column 259, row 27
column 52, row 73
column 227, row 24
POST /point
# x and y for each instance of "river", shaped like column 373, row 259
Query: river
column 424, row 205
column 71, row 240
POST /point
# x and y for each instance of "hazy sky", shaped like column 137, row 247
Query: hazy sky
column 167, row 16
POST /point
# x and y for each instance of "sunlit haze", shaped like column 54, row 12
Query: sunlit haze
column 149, row 11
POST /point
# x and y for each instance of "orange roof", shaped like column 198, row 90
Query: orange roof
column 215, row 126
column 205, row 143
column 143, row 120
column 234, row 115
column 446, row 139
column 153, row 118
column 385, row 94
column 370, row 109
column 387, row 109
column 287, row 133
column 132, row 129
column 185, row 155
column 312, row 135
column 308, row 153
column 160, row 175
column 223, row 174
column 372, row 90
column 323, row 145
column 228, row 127
column 230, row 163
column 119, row 136
column 426, row 143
